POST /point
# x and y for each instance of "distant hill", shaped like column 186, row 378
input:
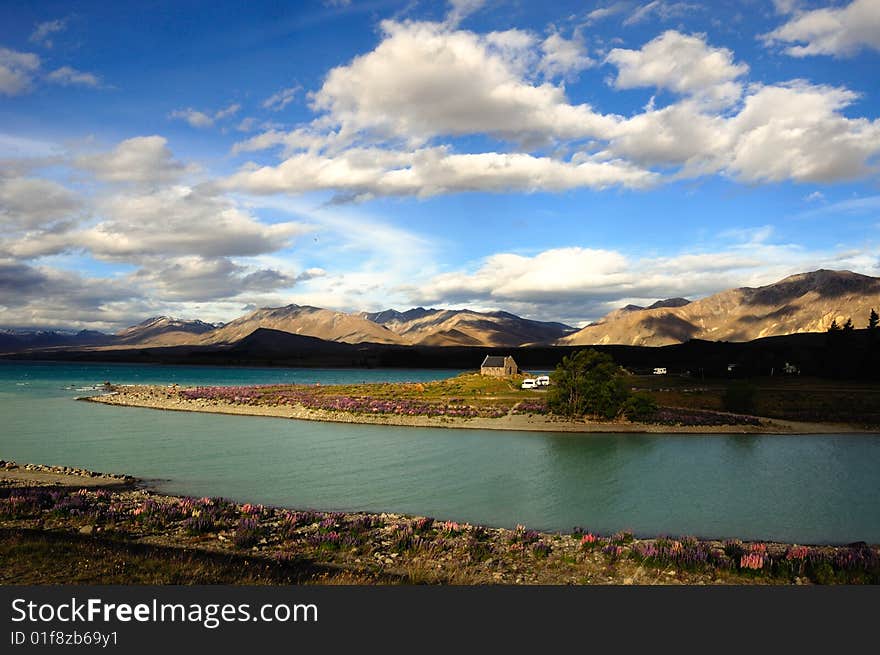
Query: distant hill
column 12, row 340
column 465, row 327
column 307, row 321
column 807, row 302
column 162, row 331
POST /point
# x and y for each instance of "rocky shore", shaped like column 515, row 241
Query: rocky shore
column 177, row 399
column 40, row 475
column 364, row 548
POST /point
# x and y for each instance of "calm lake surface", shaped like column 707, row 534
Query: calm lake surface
column 805, row 489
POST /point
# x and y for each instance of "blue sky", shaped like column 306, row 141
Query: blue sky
column 556, row 160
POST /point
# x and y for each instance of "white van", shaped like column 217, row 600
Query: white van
column 542, row 381
column 528, row 383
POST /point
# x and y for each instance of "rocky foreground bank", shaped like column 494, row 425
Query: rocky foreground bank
column 138, row 526
column 307, row 404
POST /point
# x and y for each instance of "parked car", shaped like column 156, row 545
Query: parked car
column 528, row 383
column 542, row 381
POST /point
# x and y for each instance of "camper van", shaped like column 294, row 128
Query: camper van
column 660, row 370
column 542, row 381
column 528, row 383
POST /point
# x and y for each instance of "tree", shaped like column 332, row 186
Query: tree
column 873, row 320
column 587, row 382
column 834, row 327
column 848, row 326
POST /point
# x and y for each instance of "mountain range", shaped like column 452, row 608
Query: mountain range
column 807, row 302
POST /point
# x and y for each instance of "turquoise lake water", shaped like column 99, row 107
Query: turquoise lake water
column 804, row 489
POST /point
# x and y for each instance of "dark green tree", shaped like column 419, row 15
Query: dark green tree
column 848, row 326
column 834, row 327
column 587, row 382
column 873, row 320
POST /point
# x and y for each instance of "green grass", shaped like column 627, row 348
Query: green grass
column 793, row 398
column 30, row 557
column 472, row 388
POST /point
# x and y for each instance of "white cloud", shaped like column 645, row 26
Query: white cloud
column 200, row 119
column 67, row 76
column 377, row 115
column 279, row 100
column 461, row 9
column 837, row 31
column 196, row 279
column 786, row 6
column 28, row 203
column 602, row 13
column 563, row 57
column 797, row 131
column 17, row 70
column 663, row 10
column 43, row 32
column 143, row 159
column 426, row 172
column 229, row 111
column 181, row 220
column 423, row 80
column 194, row 117
column 47, row 296
column 248, row 124
column 577, row 284
column 784, row 131
column 682, row 63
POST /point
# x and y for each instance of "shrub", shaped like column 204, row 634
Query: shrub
column 199, row 523
column 640, row 407
column 587, row 382
column 247, row 533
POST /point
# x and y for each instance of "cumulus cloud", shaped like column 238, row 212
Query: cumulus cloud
column 142, row 159
column 684, row 64
column 31, row 203
column 563, row 57
column 181, row 220
column 67, row 76
column 197, row 279
column 797, row 131
column 424, row 80
column 17, row 70
column 578, row 284
column 426, row 172
column 43, row 32
column 186, row 244
column 836, row 31
column 46, row 296
column 793, row 131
